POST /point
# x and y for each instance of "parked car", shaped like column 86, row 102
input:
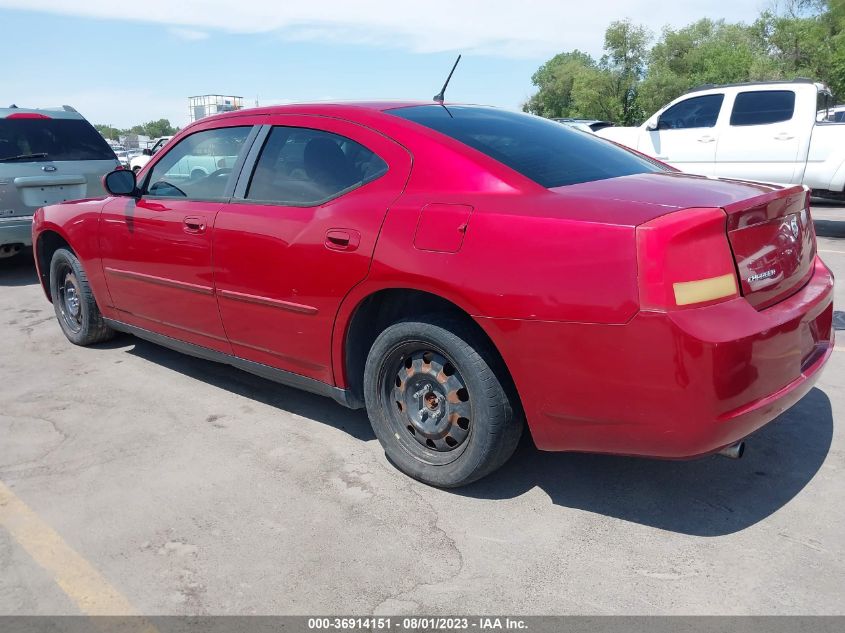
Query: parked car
column 46, row 156
column 123, row 158
column 139, row 161
column 457, row 270
column 836, row 114
column 588, row 125
column 757, row 131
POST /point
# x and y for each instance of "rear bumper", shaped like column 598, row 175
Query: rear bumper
column 16, row 230
column 670, row 385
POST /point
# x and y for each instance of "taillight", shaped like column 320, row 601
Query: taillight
column 27, row 115
column 685, row 260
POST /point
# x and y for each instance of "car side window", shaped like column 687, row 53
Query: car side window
column 695, row 112
column 305, row 167
column 761, row 107
column 199, row 167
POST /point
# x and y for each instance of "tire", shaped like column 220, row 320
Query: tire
column 73, row 301
column 440, row 411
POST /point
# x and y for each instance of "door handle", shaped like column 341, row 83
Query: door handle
column 194, row 224
column 706, row 139
column 342, row 239
column 783, row 136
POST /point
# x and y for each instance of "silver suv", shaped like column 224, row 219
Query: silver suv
column 46, row 156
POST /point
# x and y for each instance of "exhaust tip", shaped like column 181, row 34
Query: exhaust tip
column 734, row 451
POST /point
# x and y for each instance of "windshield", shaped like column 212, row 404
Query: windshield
column 550, row 154
column 52, row 139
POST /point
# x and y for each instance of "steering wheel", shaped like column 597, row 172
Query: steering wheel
column 164, row 188
column 224, row 171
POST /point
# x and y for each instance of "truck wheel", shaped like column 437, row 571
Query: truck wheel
column 435, row 403
column 73, row 301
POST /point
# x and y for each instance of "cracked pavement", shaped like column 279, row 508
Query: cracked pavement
column 196, row 489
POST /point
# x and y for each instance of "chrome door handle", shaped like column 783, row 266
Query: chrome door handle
column 783, row 136
column 706, row 139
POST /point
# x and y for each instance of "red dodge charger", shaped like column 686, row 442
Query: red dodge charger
column 458, row 270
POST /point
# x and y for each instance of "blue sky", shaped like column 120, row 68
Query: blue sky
column 127, row 63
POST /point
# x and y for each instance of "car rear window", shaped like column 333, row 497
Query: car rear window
column 761, row 107
column 550, row 154
column 60, row 139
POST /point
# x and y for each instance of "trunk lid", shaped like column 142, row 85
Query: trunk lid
column 769, row 227
column 773, row 243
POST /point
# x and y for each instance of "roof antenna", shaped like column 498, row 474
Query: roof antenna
column 440, row 96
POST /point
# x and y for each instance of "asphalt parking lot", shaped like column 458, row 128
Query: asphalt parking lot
column 136, row 478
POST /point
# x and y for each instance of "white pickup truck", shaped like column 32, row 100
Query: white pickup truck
column 772, row 132
column 138, row 162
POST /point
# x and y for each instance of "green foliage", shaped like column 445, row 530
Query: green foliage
column 153, row 129
column 162, row 127
column 108, row 131
column 799, row 38
column 702, row 53
column 555, row 79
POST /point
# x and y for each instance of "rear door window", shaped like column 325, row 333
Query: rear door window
column 305, row 167
column 761, row 107
column 59, row 139
column 696, row 112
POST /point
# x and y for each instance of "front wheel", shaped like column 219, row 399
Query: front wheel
column 436, row 404
column 73, row 301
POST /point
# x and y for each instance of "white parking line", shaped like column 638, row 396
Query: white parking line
column 821, row 250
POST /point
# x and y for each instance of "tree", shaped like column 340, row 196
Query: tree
column 794, row 38
column 162, row 127
column 554, row 81
column 626, row 50
column 107, row 131
column 573, row 84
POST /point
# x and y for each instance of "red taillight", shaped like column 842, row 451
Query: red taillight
column 685, row 260
column 27, row 115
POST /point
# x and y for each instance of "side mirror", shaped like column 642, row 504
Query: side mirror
column 147, row 151
column 120, row 182
column 652, row 124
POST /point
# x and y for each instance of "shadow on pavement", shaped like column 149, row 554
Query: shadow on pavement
column 712, row 496
column 318, row 408
column 18, row 270
column 838, row 320
column 830, row 228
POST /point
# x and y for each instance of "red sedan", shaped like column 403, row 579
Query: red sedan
column 457, row 270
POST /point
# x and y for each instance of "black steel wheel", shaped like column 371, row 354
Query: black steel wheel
column 73, row 301
column 433, row 410
column 435, row 403
column 69, row 298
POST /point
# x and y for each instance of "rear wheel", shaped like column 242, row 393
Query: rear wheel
column 436, row 405
column 73, row 301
